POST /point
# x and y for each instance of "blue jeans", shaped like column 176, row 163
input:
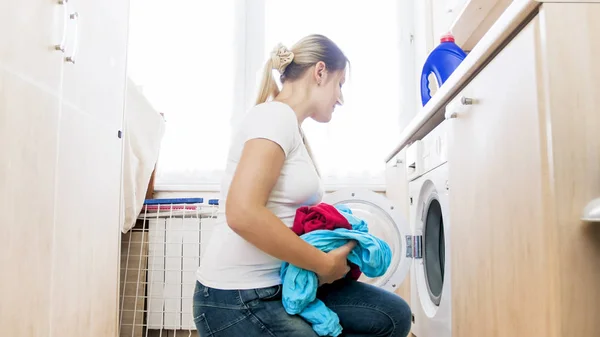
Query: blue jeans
column 364, row 310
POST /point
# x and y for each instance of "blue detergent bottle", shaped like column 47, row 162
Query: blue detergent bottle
column 442, row 61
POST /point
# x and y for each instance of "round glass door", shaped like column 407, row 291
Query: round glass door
column 384, row 222
column 434, row 250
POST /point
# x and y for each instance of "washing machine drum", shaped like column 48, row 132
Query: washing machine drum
column 434, row 250
column 385, row 222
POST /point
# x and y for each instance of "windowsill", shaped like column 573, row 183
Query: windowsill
column 188, row 188
column 217, row 187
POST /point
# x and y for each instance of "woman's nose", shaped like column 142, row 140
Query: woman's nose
column 340, row 100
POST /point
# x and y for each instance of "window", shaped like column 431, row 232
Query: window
column 351, row 149
column 182, row 53
column 200, row 62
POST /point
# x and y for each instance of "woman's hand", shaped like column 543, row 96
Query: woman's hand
column 336, row 264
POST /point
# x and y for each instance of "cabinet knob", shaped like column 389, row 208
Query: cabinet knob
column 451, row 115
column 466, row 101
column 398, row 162
column 591, row 212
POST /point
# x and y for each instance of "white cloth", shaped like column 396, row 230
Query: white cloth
column 143, row 131
column 230, row 262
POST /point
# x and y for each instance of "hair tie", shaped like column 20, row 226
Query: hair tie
column 281, row 57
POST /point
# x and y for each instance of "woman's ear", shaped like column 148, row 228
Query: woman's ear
column 320, row 72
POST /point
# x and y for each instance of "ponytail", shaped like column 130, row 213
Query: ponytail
column 268, row 87
column 280, row 58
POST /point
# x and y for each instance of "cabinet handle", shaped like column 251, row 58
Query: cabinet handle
column 463, row 101
column 61, row 45
column 591, row 212
column 71, row 59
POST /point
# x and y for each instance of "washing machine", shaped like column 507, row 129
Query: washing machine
column 387, row 221
column 430, row 223
column 419, row 245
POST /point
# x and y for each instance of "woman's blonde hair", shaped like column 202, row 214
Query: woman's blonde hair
column 292, row 64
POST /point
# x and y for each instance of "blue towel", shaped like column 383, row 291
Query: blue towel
column 372, row 255
column 356, row 223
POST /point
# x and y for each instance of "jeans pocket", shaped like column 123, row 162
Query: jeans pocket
column 198, row 288
column 269, row 294
column 202, row 325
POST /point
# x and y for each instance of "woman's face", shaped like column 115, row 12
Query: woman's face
column 328, row 94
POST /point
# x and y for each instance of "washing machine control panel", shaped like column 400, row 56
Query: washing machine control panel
column 414, row 161
column 435, row 148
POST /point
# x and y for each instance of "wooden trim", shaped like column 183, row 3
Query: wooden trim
column 569, row 1
column 475, row 19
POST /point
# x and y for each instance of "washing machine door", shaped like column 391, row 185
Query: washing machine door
column 386, row 222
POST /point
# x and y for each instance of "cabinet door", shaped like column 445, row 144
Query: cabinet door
column 571, row 53
column 28, row 140
column 87, row 232
column 95, row 83
column 500, row 279
column 86, row 262
column 30, row 77
column 29, row 30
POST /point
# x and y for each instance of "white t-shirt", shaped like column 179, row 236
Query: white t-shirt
column 229, row 261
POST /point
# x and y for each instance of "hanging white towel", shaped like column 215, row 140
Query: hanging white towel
column 143, row 131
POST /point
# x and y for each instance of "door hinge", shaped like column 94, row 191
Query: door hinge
column 414, row 246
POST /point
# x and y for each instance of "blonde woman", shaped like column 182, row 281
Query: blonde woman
column 269, row 174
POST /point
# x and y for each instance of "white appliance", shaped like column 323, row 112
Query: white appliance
column 418, row 244
column 430, row 221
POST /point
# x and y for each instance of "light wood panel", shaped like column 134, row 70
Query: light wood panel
column 28, row 139
column 29, row 29
column 85, row 278
column 95, row 84
column 499, row 260
column 570, row 1
column 571, row 52
column 86, row 260
column 470, row 38
column 30, row 78
column 475, row 19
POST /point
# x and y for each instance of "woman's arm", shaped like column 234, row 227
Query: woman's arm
column 256, row 174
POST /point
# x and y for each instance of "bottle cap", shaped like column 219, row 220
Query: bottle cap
column 448, row 37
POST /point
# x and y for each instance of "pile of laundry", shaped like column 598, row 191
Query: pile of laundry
column 329, row 227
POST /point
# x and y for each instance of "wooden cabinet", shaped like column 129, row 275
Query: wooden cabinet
column 497, row 208
column 60, row 165
column 524, row 161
